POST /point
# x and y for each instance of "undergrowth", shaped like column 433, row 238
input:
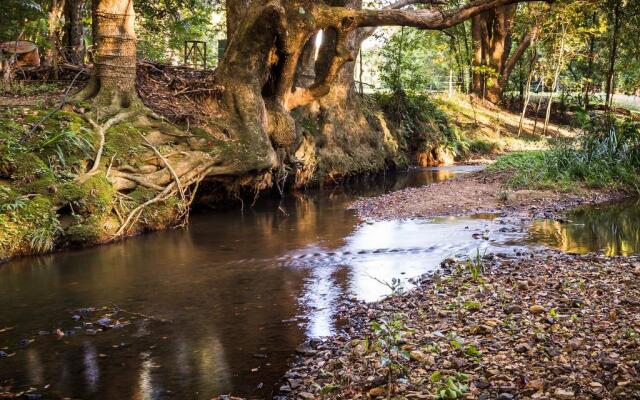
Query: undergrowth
column 422, row 125
column 605, row 155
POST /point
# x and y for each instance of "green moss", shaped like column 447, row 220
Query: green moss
column 99, row 195
column 70, row 192
column 122, row 142
column 29, row 167
column 142, row 194
column 89, row 230
column 162, row 214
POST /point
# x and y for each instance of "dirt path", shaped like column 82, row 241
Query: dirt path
column 475, row 193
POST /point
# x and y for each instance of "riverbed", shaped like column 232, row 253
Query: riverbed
column 221, row 306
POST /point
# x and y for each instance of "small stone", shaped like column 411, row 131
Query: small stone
column 536, row 384
column 608, row 363
column 376, row 391
column 104, row 322
column 294, row 383
column 574, row 345
column 481, row 330
column 505, row 396
column 522, row 348
column 285, row 389
column 536, row 309
column 563, row 394
column 305, row 350
column 513, row 309
column 306, row 396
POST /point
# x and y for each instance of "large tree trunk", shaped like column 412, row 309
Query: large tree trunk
column 249, row 131
column 493, row 63
column 73, row 31
column 113, row 83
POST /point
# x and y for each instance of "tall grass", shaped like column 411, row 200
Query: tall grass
column 605, row 155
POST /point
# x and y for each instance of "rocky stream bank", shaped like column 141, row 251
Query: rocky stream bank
column 538, row 325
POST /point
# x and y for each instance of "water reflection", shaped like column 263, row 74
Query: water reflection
column 232, row 283
column 611, row 229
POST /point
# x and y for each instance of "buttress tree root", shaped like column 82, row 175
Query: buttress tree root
column 250, row 130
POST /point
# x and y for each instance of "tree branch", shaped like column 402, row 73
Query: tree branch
column 340, row 17
column 513, row 59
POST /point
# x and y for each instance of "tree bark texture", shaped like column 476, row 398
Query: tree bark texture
column 73, row 31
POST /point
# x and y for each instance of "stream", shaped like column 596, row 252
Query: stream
column 221, row 306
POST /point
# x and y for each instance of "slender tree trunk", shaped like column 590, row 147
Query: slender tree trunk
column 51, row 55
column 588, row 85
column 74, row 31
column 613, row 54
column 534, row 57
column 477, row 80
column 556, row 77
column 535, row 121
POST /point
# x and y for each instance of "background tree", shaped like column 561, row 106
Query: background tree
column 493, row 37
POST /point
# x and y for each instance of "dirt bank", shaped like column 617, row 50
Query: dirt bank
column 480, row 192
column 540, row 325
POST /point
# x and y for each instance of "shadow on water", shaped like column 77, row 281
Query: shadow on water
column 610, row 229
column 242, row 291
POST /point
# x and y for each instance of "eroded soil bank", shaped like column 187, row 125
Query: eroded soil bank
column 540, row 325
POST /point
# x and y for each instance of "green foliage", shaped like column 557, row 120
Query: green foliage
column 450, row 387
column 163, row 26
column 23, row 16
column 388, row 335
column 472, row 305
column 422, row 124
column 396, row 286
column 606, row 155
column 414, row 60
column 474, row 266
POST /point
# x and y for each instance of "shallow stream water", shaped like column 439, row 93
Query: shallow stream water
column 241, row 291
column 613, row 229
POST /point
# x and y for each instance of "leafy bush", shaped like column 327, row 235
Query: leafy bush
column 421, row 123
